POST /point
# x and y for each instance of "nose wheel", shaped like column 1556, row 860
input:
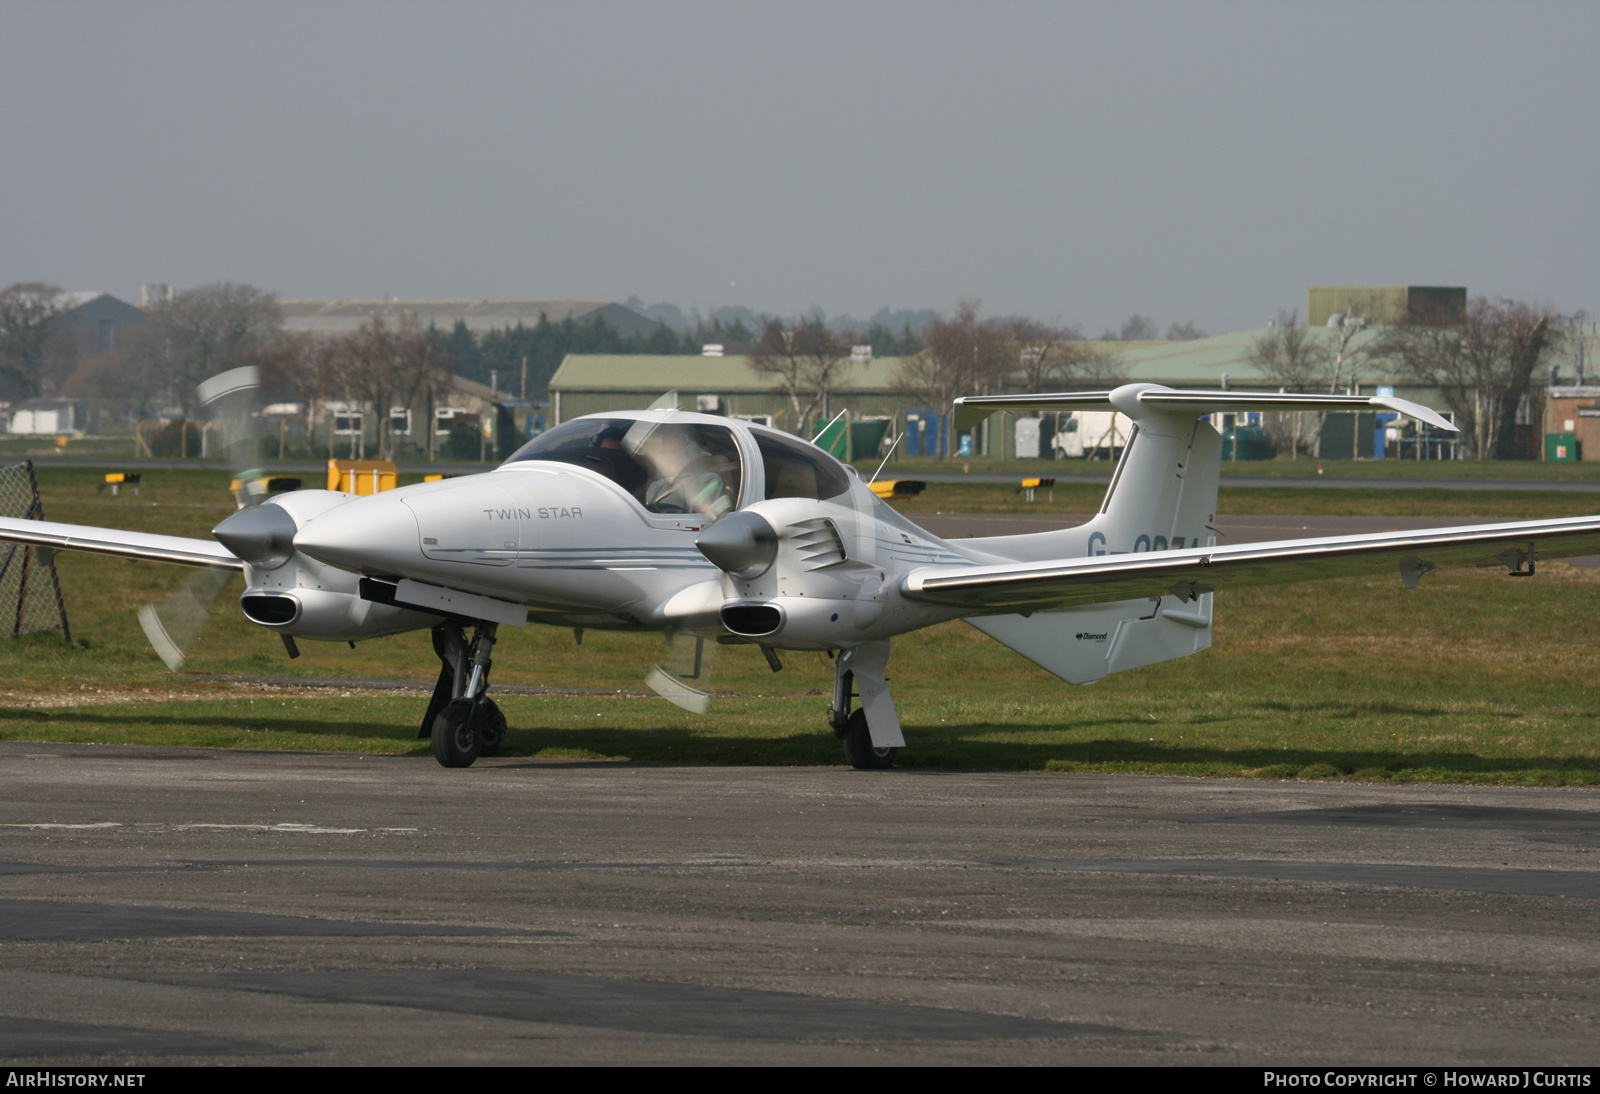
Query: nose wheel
column 858, row 748
column 850, row 726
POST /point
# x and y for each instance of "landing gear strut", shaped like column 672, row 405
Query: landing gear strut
column 461, row 720
column 865, row 750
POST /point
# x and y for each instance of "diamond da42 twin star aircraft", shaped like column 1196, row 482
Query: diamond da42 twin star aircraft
column 682, row 523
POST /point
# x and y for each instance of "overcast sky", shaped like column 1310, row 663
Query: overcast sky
column 1079, row 162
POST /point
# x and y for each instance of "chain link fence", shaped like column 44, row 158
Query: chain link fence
column 30, row 591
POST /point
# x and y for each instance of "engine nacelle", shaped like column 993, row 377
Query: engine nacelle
column 328, row 615
column 802, row 622
column 298, row 596
column 794, row 575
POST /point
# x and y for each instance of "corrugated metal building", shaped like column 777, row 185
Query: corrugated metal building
column 593, row 383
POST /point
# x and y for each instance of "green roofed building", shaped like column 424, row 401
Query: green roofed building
column 1224, row 361
column 594, row 383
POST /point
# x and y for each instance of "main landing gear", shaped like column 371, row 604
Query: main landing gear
column 462, row 721
column 873, row 745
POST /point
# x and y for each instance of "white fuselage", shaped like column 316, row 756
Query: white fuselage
column 576, row 549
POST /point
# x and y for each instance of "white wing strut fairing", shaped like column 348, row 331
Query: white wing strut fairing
column 1132, row 398
column 1189, row 573
column 112, row 541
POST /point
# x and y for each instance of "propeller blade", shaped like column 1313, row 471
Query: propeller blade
column 683, row 676
column 230, row 399
column 676, row 692
column 173, row 623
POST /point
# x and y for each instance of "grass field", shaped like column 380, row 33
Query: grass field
column 1473, row 677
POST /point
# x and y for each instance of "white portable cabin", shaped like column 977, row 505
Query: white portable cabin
column 1084, row 433
column 44, row 417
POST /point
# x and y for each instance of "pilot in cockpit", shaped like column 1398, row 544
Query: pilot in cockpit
column 684, row 477
column 624, row 469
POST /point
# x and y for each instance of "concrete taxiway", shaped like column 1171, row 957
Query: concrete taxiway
column 203, row 905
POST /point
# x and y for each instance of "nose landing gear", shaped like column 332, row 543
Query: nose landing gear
column 461, row 721
column 871, row 734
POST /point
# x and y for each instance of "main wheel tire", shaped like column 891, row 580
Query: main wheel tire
column 455, row 742
column 858, row 746
column 491, row 728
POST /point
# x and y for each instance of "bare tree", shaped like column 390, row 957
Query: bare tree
column 1292, row 357
column 1052, row 357
column 1139, row 328
column 378, row 368
column 417, row 367
column 200, row 332
column 964, row 355
column 107, row 385
column 308, row 368
column 1483, row 360
column 376, row 372
column 1347, row 353
column 808, row 361
column 1186, row 331
column 31, row 346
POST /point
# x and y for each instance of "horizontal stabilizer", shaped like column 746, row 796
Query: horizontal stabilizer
column 973, row 409
column 114, row 541
column 1193, row 572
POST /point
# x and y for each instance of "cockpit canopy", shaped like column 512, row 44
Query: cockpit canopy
column 686, row 467
column 795, row 469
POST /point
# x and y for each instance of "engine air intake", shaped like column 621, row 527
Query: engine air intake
column 271, row 611
column 751, row 620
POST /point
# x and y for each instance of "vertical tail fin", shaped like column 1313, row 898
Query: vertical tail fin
column 1163, row 493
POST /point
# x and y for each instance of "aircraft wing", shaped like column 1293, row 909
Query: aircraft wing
column 114, row 541
column 973, row 409
column 1032, row 586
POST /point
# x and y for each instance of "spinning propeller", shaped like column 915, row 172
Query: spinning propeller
column 683, row 675
column 173, row 623
column 742, row 544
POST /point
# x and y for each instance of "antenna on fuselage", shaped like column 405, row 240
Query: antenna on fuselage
column 894, row 442
column 829, row 426
column 669, row 401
